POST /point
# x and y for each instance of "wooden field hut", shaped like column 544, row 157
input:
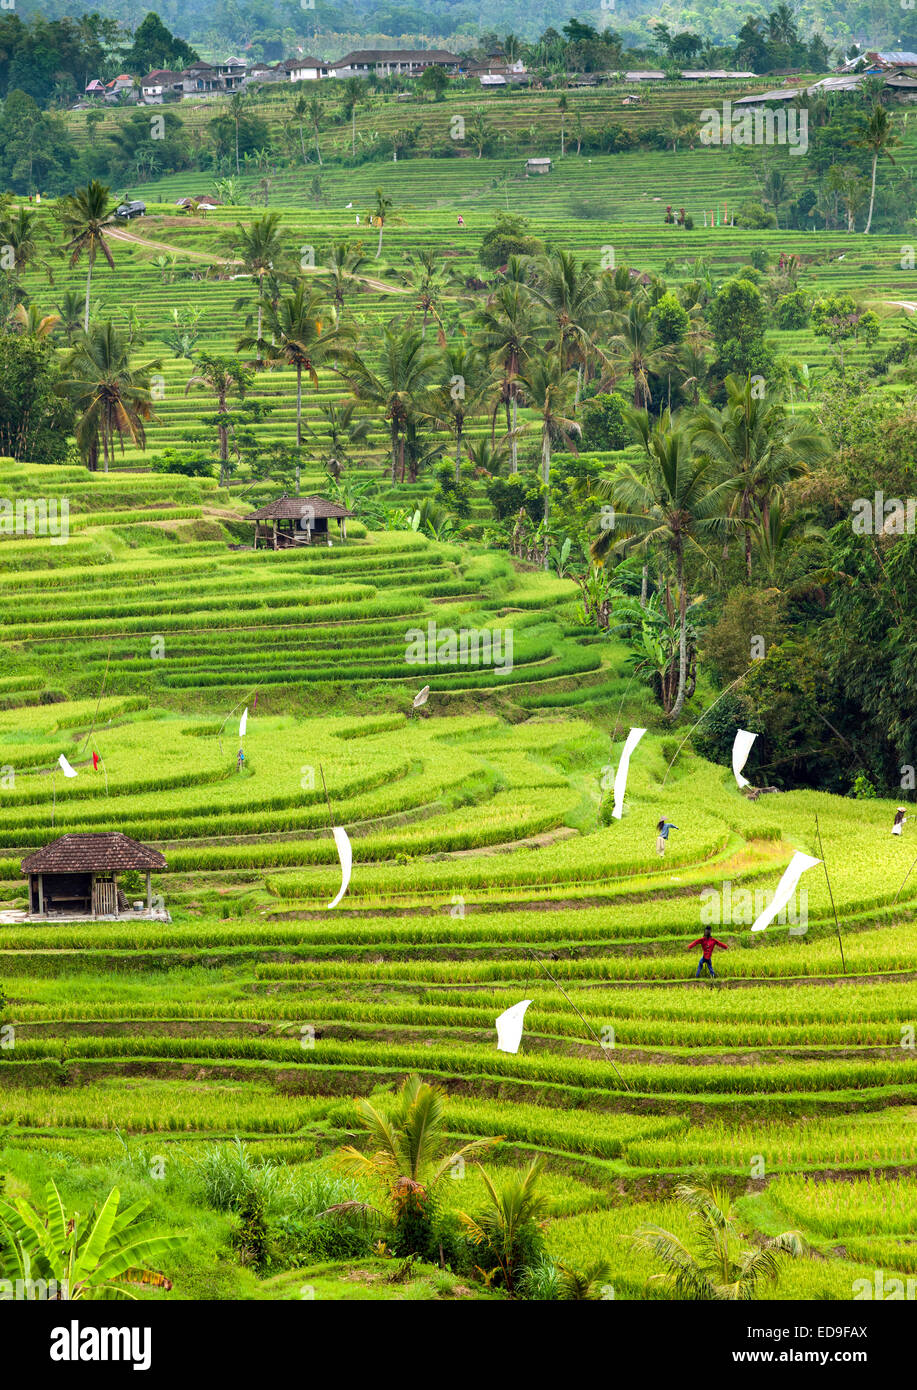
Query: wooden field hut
column 77, row 875
column 291, row 521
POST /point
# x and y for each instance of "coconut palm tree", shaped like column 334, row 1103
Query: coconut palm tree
column 354, row 91
column 777, row 189
column 303, row 334
column 408, row 1150
column 508, row 1230
column 569, row 295
column 507, row 335
column 379, row 214
column 300, row 111
column 429, row 280
column 395, row 381
column 259, row 249
column 343, row 266
column 32, row 322
column 316, row 111
column 467, row 379
column 633, row 345
column 112, row 396
column 345, row 430
column 237, row 104
column 879, row 138
column 675, row 502
column 562, row 106
column 98, row 1257
column 22, row 242
column 548, row 386
column 86, row 217
column 721, row 1267
column 759, row 448
column 70, row 309
column 223, row 377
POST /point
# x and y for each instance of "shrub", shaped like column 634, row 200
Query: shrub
column 793, row 310
column 754, row 215
column 604, row 422
column 509, row 236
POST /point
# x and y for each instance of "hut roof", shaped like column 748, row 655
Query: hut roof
column 294, row 508
column 110, row 852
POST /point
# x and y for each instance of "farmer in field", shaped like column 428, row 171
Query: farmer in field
column 708, row 944
column 662, row 835
column 900, row 819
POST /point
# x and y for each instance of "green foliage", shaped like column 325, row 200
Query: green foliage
column 793, row 310
column 34, row 419
column 509, row 236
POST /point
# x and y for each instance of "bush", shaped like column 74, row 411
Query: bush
column 193, row 465
column 793, row 310
column 604, row 422
column 755, row 216
column 509, row 236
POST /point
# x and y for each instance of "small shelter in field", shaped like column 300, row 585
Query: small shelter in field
column 539, row 165
column 77, row 875
column 291, row 521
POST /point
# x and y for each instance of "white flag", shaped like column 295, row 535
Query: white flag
column 243, row 722
column 67, row 769
column 633, row 738
column 421, row 697
column 740, row 751
column 786, row 887
column 345, row 854
column 509, row 1027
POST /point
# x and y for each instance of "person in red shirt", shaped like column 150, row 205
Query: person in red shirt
column 708, row 944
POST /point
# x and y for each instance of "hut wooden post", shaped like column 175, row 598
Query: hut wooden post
column 275, row 535
column 149, row 893
column 41, row 897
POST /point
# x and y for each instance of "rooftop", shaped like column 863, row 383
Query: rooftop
column 109, row 852
column 294, row 508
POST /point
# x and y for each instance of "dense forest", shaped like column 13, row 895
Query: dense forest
column 270, row 29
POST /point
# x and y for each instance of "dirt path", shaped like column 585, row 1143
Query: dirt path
column 119, row 234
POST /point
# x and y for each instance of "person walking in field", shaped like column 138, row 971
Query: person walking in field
column 900, row 820
column 662, row 835
column 708, row 944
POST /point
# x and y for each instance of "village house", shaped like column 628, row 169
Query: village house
column 386, row 62
column 77, row 876
column 157, row 84
column 304, row 69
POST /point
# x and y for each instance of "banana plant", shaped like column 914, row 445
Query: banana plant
column 71, row 1258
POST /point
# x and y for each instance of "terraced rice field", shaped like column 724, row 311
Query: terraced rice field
column 585, row 205
column 483, row 874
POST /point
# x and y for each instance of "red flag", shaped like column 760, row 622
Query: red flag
column 95, row 762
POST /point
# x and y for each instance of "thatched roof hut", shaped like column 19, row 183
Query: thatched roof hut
column 289, row 521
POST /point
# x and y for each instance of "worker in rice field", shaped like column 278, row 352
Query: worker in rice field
column 662, row 835
column 899, row 823
column 708, row 944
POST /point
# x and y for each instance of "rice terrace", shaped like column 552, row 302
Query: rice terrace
column 458, row 711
